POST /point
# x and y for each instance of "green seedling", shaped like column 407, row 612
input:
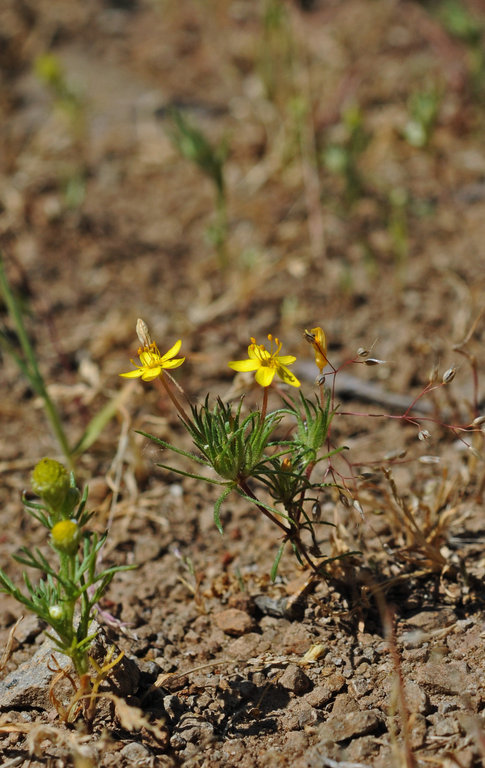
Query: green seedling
column 21, row 348
column 67, row 595
column 423, row 107
column 194, row 146
column 342, row 157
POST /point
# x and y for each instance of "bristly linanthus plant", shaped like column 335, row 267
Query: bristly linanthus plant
column 247, row 451
column 67, row 595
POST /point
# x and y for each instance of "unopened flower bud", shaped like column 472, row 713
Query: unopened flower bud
column 50, row 481
column 65, row 536
column 448, row 375
column 56, row 612
column 286, row 464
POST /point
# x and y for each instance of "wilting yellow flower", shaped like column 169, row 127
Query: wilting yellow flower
column 153, row 363
column 267, row 363
column 317, row 339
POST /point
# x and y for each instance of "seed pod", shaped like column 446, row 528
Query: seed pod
column 317, row 512
column 449, row 375
column 433, row 374
column 479, row 421
column 362, row 352
column 429, row 459
column 374, row 361
column 424, row 434
column 399, row 453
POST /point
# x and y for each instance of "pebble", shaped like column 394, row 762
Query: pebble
column 294, row 679
column 346, row 726
column 137, row 754
column 322, row 694
column 234, row 622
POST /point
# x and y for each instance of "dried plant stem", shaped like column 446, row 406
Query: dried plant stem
column 162, row 383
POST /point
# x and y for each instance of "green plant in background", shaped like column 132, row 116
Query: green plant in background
column 276, row 51
column 342, row 157
column 68, row 592
column 69, row 102
column 423, row 107
column 194, row 146
column 460, row 22
column 21, row 349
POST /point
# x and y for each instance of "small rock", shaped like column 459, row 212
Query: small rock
column 234, row 622
column 417, row 730
column 322, row 694
column 137, row 754
column 295, row 680
column 350, row 725
column 245, row 647
column 416, row 699
column 28, row 629
column 297, row 639
column 446, row 678
column 192, row 729
column 28, row 685
column 344, row 703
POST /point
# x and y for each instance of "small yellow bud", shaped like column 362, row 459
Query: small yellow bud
column 50, row 481
column 65, row 536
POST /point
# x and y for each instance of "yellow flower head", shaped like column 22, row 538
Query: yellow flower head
column 267, row 363
column 65, row 536
column 317, row 339
column 153, row 363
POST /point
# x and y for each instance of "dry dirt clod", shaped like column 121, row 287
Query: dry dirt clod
column 234, row 622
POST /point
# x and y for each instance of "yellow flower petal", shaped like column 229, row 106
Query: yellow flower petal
column 173, row 350
column 287, row 376
column 265, row 375
column 244, row 365
column 133, row 374
column 286, row 359
column 174, row 363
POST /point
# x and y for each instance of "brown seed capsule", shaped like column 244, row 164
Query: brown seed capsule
column 448, row 375
column 317, row 512
column 424, row 434
column 433, row 374
column 362, row 352
column 374, row 361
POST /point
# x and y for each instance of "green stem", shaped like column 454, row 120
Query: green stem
column 32, row 368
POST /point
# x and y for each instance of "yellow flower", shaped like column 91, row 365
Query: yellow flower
column 65, row 536
column 267, row 364
column 317, row 339
column 153, row 363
